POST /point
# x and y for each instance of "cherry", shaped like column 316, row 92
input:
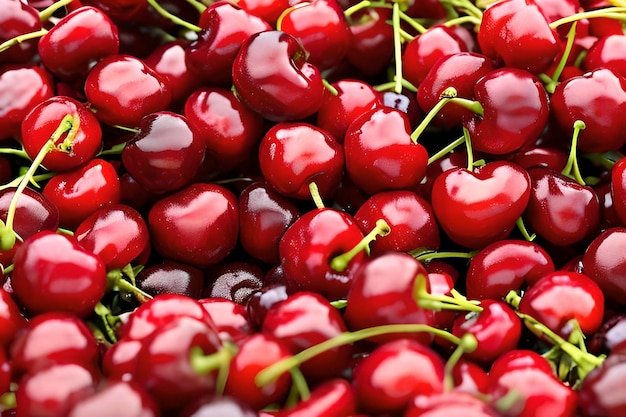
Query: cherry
column 77, row 41
column 405, row 101
column 264, row 215
column 450, row 403
column 504, row 35
column 480, row 206
column 610, row 337
column 214, row 405
column 606, row 53
column 268, row 10
column 497, row 330
column 33, row 213
column 117, row 233
column 332, row 398
column 230, row 131
column 261, row 301
column 171, row 277
column 504, row 266
column 51, row 338
column 77, row 141
column 372, row 40
column 380, row 154
column 80, row 192
column 603, row 263
column 235, row 281
column 409, row 216
column 339, row 110
column 382, row 293
column 52, row 272
column 21, row 88
column 272, row 76
column 256, row 353
column 518, row 359
column 225, row 27
column 597, row 391
column 322, row 28
column 18, row 19
column 584, row 98
column 229, row 317
column 11, row 318
column 119, row 362
column 470, row 377
column 393, row 373
column 308, row 247
column 120, row 397
column 203, row 217
column 618, row 190
column 122, row 89
column 165, row 155
column 585, row 306
column 52, row 391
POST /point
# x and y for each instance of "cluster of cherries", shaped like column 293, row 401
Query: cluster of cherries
column 312, row 208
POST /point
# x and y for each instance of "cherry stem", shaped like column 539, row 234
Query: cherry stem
column 331, row 89
column 364, row 4
column 117, row 282
column 340, row 263
column 447, row 95
column 273, row 371
column 397, row 47
column 469, row 150
column 412, row 22
column 17, row 152
column 315, row 196
column 571, row 168
column 523, row 230
column 300, row 387
column 22, row 38
column 47, row 13
column 606, row 160
column 34, row 180
column 109, row 321
column 550, row 86
column 427, row 254
column 172, row 17
column 390, row 85
column 446, row 150
column 198, row 5
column 220, row 360
column 437, row 302
column 462, row 20
column 467, row 344
column 466, row 6
column 609, row 12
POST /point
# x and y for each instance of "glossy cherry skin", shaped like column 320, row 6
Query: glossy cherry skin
column 50, row 338
column 165, row 155
column 52, row 272
column 382, row 293
column 584, row 97
column 518, row 359
column 497, row 330
column 543, row 301
column 332, row 398
column 322, row 29
column 598, row 392
column 476, row 208
column 255, row 353
column 292, row 155
column 203, row 217
column 504, row 266
column 235, row 281
column 51, row 391
column 607, row 52
column 11, row 318
column 268, row 10
column 515, row 111
column 164, row 366
column 18, row 18
column 308, row 246
column 469, row 377
column 261, row 301
column 618, row 190
column 117, row 233
column 119, row 362
column 215, row 405
column 122, row 89
column 372, row 40
column 230, row 131
column 171, row 277
column 380, row 154
column 21, row 88
column 338, row 111
column 504, row 35
column 230, row 318
column 449, row 403
column 306, row 319
column 225, row 27
column 264, row 215
column 80, row 192
column 34, row 212
column 272, row 76
column 559, row 209
column 44, row 119
column 118, row 397
column 77, row 41
column 393, row 373
column 409, row 216
column 604, row 263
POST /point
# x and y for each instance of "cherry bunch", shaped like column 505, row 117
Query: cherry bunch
column 312, row 208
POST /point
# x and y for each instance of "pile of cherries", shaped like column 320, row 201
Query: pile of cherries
column 313, row 208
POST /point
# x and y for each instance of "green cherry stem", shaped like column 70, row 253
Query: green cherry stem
column 315, row 195
column 273, row 371
column 419, row 28
column 618, row 13
column 467, row 344
column 331, row 89
column 427, row 254
column 340, row 263
column 521, row 226
column 173, row 18
column 447, row 95
column 220, row 361
column 447, row 149
column 22, row 38
column 198, row 5
column 397, row 47
column 47, row 13
column 552, row 82
column 469, row 149
column 455, row 301
column 116, row 282
column 571, row 168
column 461, row 20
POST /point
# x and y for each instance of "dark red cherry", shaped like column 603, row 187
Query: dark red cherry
column 18, row 18
column 118, row 397
column 235, row 281
column 171, row 277
column 372, row 40
column 597, row 394
column 604, row 263
column 230, row 318
column 34, row 212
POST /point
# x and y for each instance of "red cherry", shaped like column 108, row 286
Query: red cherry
column 372, row 40
column 119, row 362
column 519, row 359
column 165, row 155
column 34, row 212
column 122, row 89
column 449, row 403
column 607, row 52
column 268, row 10
column 604, row 263
column 235, row 281
column 293, row 155
column 52, row 272
column 11, row 318
column 597, row 394
column 77, row 41
column 203, row 217
column 119, row 397
column 18, row 18
column 230, row 318
column 272, row 76
column 618, row 190
column 332, row 398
